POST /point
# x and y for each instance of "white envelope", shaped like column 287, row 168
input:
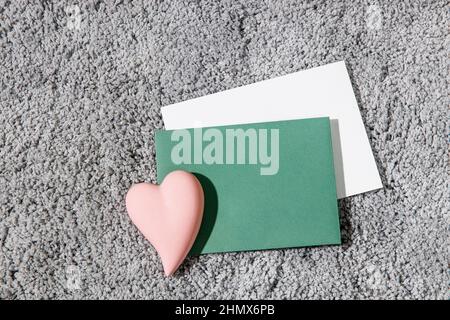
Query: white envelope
column 317, row 92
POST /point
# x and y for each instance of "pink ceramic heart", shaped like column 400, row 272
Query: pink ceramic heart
column 169, row 215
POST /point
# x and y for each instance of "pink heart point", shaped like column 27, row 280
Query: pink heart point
column 168, row 215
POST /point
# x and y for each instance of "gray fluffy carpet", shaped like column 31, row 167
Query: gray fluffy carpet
column 82, row 84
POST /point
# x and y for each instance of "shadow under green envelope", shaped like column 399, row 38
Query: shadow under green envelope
column 267, row 185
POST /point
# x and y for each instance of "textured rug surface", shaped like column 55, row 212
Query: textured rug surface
column 82, row 84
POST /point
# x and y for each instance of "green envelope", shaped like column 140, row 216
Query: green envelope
column 267, row 185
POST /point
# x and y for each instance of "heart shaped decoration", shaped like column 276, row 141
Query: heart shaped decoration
column 168, row 215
